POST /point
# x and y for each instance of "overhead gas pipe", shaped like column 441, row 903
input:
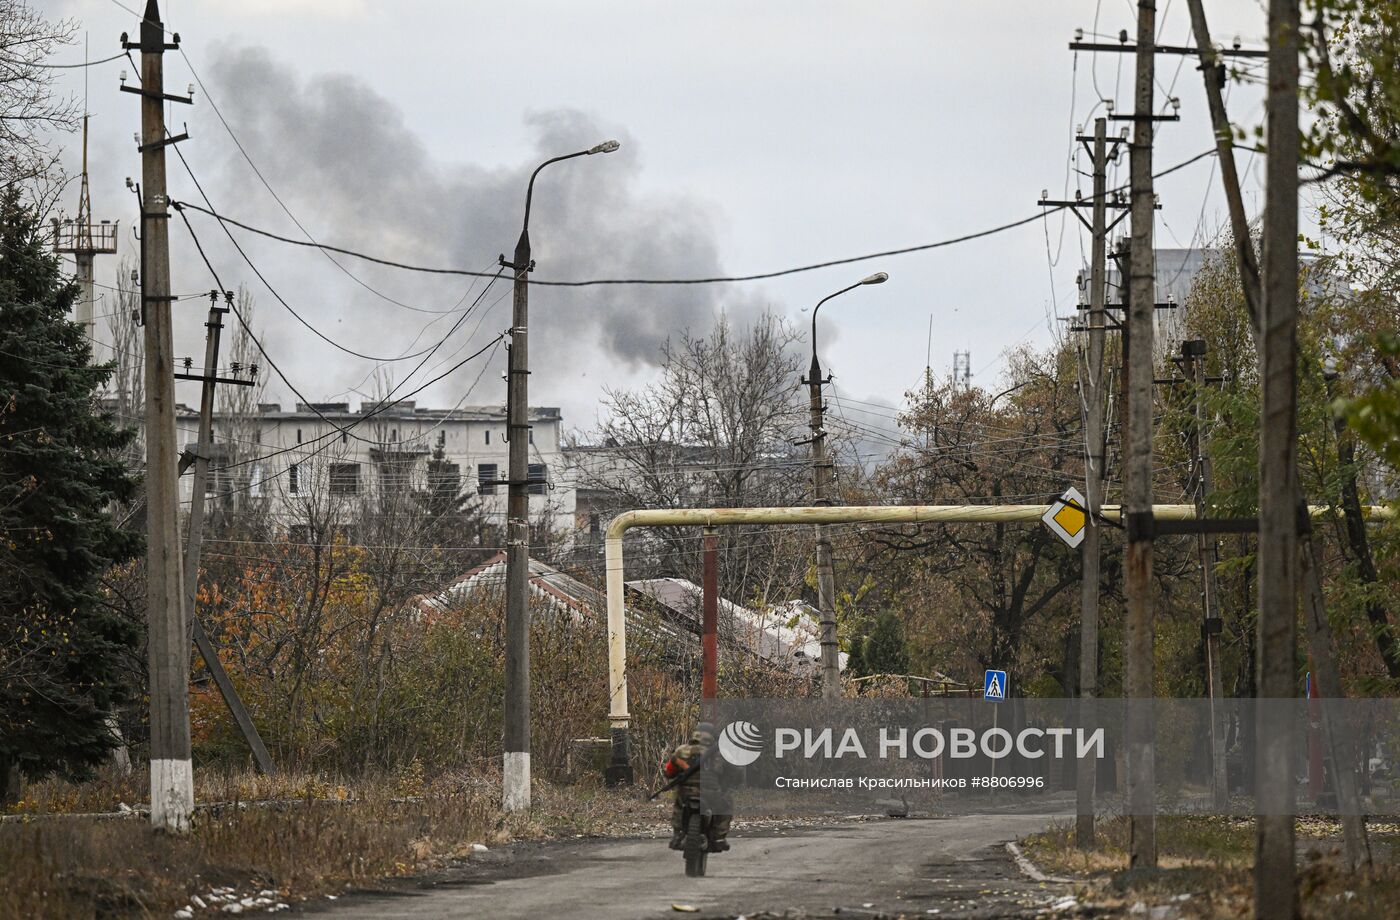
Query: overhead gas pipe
column 619, row 770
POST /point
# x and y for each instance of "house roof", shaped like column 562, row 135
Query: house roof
column 562, row 593
column 788, row 635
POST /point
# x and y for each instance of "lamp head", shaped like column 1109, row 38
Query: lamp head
column 604, row 147
column 877, row 278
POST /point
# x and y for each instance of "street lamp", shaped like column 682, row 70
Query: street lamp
column 821, row 479
column 515, row 772
column 877, row 278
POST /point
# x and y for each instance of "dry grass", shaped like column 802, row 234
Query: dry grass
column 320, row 836
column 1206, row 868
column 1181, row 842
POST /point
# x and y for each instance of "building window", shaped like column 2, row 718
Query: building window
column 293, row 484
column 486, row 479
column 532, row 436
column 298, row 435
column 539, row 479
column 345, row 478
column 488, row 435
column 344, row 437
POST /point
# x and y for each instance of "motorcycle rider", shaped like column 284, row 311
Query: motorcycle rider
column 684, row 757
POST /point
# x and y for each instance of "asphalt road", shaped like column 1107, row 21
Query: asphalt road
column 945, row 867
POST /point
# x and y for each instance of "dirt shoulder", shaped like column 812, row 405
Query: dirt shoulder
column 1205, row 870
column 268, row 850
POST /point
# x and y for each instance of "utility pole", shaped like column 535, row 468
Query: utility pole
column 1093, row 484
column 821, row 484
column 1140, row 802
column 1093, row 402
column 1275, row 891
column 1321, row 643
column 709, row 627
column 195, row 534
column 1193, row 354
column 826, row 574
column 515, row 774
column 172, row 779
column 1213, row 72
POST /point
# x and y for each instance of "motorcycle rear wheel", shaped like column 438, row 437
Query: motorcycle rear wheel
column 695, row 847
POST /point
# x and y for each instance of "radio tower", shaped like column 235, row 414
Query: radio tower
column 962, row 369
column 84, row 240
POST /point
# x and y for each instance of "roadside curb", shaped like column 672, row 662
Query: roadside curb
column 1029, row 868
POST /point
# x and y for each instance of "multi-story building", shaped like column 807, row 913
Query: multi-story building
column 320, row 454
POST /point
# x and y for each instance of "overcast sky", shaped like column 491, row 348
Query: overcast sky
column 756, row 136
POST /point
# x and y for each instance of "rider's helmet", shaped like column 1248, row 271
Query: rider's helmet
column 704, row 733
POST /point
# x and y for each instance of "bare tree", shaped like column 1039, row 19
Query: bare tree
column 29, row 110
column 1001, row 582
column 715, row 430
column 127, row 386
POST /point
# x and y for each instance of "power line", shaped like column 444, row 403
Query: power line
column 426, row 353
column 179, row 207
column 725, row 279
column 75, row 66
column 620, row 281
column 338, row 429
column 278, row 198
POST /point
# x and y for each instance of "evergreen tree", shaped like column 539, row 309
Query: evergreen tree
column 63, row 650
column 881, row 651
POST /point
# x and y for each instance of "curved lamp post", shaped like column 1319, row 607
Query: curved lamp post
column 821, row 480
column 516, row 767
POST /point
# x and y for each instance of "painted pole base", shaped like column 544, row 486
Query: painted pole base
column 172, row 794
column 515, row 781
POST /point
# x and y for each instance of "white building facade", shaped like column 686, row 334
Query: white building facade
column 290, row 463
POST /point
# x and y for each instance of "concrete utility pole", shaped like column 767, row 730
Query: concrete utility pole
column 1093, row 484
column 172, row 779
column 1093, row 476
column 1275, row 891
column 1137, row 467
column 515, row 774
column 1094, row 450
column 195, row 534
column 1193, row 353
column 821, row 485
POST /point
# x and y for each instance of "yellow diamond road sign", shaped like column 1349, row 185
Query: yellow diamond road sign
column 1066, row 517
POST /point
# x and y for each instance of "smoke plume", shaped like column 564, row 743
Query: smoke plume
column 354, row 172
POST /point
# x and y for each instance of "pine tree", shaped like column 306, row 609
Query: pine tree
column 63, row 651
column 882, row 650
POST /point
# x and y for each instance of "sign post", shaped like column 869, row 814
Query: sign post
column 994, row 687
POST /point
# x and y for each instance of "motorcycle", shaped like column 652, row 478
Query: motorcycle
column 695, row 821
column 696, row 848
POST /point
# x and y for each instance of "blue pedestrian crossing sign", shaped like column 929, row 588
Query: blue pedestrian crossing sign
column 994, row 687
